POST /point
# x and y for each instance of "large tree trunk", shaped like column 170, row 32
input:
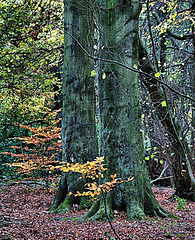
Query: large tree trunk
column 193, row 94
column 183, row 183
column 121, row 140
column 79, row 138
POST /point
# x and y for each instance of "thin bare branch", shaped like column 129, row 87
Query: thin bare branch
column 125, row 66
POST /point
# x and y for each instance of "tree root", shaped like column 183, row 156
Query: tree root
column 92, row 211
column 97, row 211
column 64, row 207
column 101, row 210
column 134, row 211
column 152, row 207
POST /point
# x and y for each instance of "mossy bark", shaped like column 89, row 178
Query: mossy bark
column 61, row 194
column 79, row 138
column 98, row 210
column 121, row 140
column 120, row 137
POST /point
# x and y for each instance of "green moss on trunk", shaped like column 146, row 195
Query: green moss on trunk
column 97, row 211
column 120, row 135
column 79, row 139
column 121, row 139
column 66, row 205
column 85, row 203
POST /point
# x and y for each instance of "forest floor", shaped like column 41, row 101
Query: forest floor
column 24, row 215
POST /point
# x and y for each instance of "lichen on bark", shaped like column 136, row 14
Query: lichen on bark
column 120, row 136
column 79, row 139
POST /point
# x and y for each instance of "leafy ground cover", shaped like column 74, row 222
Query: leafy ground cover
column 24, row 215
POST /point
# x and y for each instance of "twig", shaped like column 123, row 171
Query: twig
column 161, row 174
column 170, row 115
column 125, row 66
column 160, row 178
column 106, row 213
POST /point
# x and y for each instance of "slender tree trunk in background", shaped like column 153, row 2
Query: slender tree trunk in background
column 121, row 140
column 183, row 184
column 79, row 140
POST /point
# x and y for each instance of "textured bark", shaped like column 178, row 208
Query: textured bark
column 121, row 140
column 120, row 137
column 79, row 140
column 193, row 93
column 183, row 184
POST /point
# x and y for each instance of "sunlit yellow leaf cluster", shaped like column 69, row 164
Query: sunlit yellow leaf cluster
column 91, row 169
column 95, row 189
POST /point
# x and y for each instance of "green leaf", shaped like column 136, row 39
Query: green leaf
column 152, row 156
column 93, row 73
column 135, row 66
column 161, row 161
column 172, row 154
column 164, row 104
column 157, row 74
column 147, row 158
column 103, row 76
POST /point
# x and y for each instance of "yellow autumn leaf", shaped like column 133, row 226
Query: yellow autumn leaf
column 93, row 186
column 113, row 176
column 93, row 73
column 130, row 179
